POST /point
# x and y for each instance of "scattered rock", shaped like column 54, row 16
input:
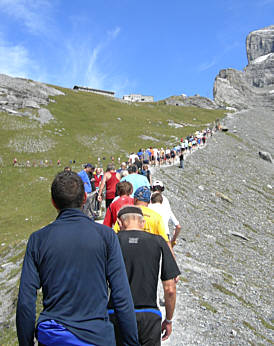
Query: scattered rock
column 175, row 125
column 265, row 156
column 148, row 138
column 223, row 197
column 236, row 234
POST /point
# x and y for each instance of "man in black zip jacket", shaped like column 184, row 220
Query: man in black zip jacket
column 74, row 260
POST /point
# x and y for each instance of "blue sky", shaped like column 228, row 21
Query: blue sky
column 152, row 47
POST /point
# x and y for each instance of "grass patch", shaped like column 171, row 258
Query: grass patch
column 228, row 277
column 232, row 294
column 249, row 228
column 250, row 327
column 207, row 306
column 266, row 324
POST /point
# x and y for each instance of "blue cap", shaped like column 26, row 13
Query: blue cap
column 142, row 194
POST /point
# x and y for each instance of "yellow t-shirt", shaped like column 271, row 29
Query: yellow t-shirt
column 153, row 223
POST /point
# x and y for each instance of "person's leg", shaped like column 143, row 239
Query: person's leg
column 108, row 202
column 88, row 206
column 149, row 328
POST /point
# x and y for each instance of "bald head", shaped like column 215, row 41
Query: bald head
column 130, row 218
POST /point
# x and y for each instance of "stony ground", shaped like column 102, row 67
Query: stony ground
column 224, row 201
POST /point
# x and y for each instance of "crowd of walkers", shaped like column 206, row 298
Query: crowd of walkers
column 100, row 288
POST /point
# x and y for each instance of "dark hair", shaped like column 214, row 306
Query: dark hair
column 158, row 188
column 124, row 188
column 67, row 190
column 110, row 167
column 156, row 197
column 132, row 169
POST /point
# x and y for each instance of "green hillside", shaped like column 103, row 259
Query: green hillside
column 86, row 126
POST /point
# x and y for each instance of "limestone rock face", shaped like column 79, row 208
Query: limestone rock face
column 18, row 93
column 191, row 101
column 260, row 43
column 254, row 86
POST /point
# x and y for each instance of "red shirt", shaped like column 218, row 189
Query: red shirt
column 98, row 180
column 111, row 186
column 113, row 209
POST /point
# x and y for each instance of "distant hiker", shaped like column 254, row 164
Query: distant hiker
column 110, row 179
column 140, row 154
column 123, row 191
column 98, row 176
column 75, row 261
column 156, row 204
column 142, row 254
column 132, row 158
column 15, row 161
column 182, row 159
column 135, row 179
column 146, row 172
column 146, row 156
column 138, row 163
column 159, row 186
column 58, row 163
column 84, row 175
column 123, row 170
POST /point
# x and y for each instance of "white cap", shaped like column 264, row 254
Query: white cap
column 158, row 183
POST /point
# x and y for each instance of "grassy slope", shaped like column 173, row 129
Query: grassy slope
column 86, row 127
column 91, row 130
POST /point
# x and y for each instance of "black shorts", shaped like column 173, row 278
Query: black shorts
column 149, row 328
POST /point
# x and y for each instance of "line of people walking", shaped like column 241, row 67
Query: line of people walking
column 100, row 284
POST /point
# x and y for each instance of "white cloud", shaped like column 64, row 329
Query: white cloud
column 32, row 13
column 207, row 65
column 91, row 64
column 15, row 60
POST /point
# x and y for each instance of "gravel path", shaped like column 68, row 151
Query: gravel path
column 224, row 201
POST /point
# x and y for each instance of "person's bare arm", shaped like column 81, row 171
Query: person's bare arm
column 103, row 183
column 170, row 300
column 175, row 235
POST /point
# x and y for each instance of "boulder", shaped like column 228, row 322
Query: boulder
column 265, row 156
column 19, row 93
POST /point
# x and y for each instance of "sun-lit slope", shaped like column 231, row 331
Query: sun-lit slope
column 86, row 126
column 99, row 126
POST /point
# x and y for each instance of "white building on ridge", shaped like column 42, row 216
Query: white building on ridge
column 138, row 98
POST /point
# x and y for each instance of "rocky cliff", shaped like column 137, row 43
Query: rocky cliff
column 23, row 97
column 254, row 86
column 191, row 101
